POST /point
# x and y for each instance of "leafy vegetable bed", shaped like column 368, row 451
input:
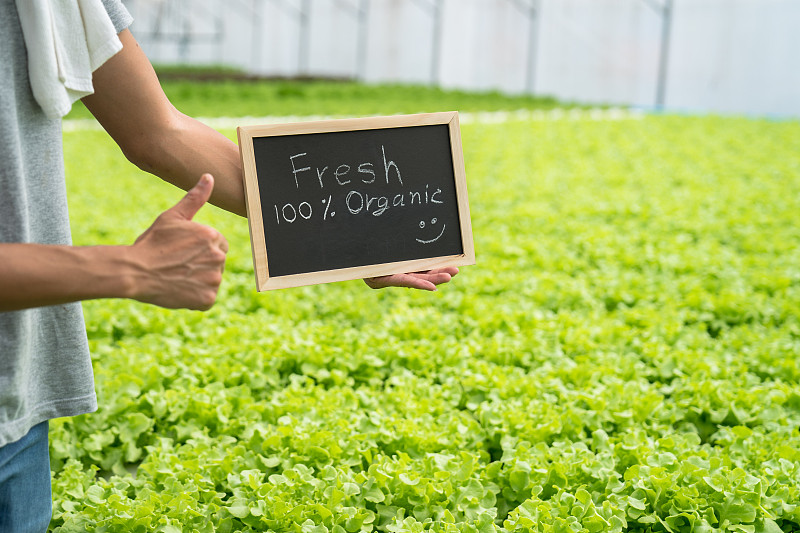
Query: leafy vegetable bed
column 624, row 357
column 229, row 98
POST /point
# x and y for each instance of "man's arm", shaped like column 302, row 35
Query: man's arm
column 131, row 106
column 176, row 263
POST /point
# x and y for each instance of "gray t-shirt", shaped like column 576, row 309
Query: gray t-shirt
column 45, row 368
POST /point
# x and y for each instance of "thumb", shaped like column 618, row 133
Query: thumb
column 195, row 198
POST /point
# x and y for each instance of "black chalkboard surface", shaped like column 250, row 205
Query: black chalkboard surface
column 347, row 199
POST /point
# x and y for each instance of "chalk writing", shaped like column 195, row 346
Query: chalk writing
column 357, row 201
column 343, row 169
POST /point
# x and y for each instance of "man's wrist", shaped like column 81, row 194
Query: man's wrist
column 116, row 273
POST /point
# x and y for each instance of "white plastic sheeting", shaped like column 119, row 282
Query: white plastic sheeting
column 730, row 56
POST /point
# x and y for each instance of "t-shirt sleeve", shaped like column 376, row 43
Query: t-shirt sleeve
column 118, row 13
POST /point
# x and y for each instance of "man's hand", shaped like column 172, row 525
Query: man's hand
column 181, row 261
column 427, row 280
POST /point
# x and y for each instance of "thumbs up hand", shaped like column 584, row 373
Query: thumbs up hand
column 179, row 262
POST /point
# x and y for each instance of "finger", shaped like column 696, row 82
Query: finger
column 438, row 278
column 414, row 282
column 401, row 280
column 435, row 279
column 452, row 271
column 195, row 198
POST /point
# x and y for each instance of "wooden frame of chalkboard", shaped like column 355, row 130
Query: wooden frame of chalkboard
column 393, row 182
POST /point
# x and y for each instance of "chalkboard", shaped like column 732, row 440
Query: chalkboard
column 346, row 199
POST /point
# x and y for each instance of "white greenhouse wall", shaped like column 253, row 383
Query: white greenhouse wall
column 729, row 56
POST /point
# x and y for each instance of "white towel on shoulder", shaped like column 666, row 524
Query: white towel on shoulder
column 66, row 41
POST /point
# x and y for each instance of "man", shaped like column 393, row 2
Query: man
column 45, row 368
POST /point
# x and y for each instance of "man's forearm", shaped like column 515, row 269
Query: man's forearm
column 35, row 275
column 188, row 148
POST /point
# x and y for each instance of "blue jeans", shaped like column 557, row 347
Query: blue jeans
column 25, row 499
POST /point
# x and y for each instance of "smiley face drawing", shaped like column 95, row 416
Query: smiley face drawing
column 433, row 223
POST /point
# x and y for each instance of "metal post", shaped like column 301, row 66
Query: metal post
column 303, row 22
column 255, row 58
column 665, row 10
column 532, row 34
column 305, row 36
column 532, row 11
column 361, row 43
column 185, row 39
column 435, row 9
column 219, row 31
column 359, row 10
column 437, row 42
column 256, row 11
column 663, row 60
